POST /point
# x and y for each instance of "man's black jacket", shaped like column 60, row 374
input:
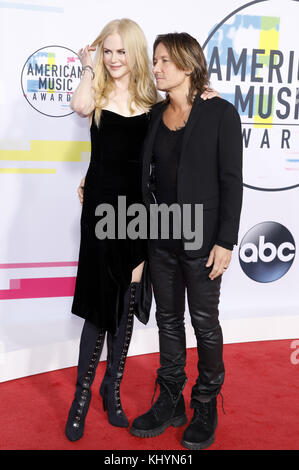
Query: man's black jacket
column 210, row 168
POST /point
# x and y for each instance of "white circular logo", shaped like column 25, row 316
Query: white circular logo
column 267, row 251
column 253, row 62
column 49, row 77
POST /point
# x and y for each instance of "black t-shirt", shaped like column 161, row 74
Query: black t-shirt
column 166, row 158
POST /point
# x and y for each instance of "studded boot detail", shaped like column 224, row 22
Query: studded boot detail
column 118, row 346
column 91, row 346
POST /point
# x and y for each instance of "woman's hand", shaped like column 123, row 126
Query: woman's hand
column 81, row 190
column 209, row 93
column 85, row 57
column 220, row 258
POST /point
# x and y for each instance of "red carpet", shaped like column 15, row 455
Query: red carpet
column 261, row 402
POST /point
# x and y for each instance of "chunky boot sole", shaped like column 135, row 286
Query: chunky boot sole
column 204, row 444
column 199, row 445
column 175, row 422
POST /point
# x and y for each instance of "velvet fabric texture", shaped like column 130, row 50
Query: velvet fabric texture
column 105, row 266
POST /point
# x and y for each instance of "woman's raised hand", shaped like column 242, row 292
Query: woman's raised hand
column 81, row 190
column 85, row 57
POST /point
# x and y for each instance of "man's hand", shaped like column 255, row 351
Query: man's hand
column 220, row 258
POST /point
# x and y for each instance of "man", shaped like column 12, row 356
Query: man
column 192, row 155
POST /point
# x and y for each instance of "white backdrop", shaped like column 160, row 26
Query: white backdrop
column 44, row 152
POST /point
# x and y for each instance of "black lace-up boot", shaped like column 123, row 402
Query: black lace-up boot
column 201, row 431
column 168, row 410
column 91, row 346
column 118, row 346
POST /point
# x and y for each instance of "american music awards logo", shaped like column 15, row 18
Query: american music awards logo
column 253, row 62
column 49, row 77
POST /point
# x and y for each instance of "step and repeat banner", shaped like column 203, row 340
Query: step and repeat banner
column 253, row 62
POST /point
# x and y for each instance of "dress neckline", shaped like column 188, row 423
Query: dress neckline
column 121, row 115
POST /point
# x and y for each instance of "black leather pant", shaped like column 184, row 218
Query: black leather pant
column 172, row 271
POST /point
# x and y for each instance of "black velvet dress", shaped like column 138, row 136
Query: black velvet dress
column 105, row 266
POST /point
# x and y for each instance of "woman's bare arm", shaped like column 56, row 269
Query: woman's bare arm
column 83, row 102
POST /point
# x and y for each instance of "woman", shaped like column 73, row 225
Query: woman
column 192, row 155
column 116, row 95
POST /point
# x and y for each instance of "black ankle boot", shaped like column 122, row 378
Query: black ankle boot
column 168, row 410
column 91, row 345
column 201, row 431
column 118, row 346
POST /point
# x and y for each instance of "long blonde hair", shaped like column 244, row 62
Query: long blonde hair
column 142, row 90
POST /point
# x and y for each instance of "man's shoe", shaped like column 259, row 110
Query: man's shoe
column 168, row 410
column 200, row 433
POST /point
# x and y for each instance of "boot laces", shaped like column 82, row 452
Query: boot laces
column 222, row 401
column 165, row 396
column 203, row 409
column 156, row 384
column 201, row 413
column 159, row 405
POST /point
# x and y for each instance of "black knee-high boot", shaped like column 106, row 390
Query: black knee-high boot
column 91, row 345
column 118, row 346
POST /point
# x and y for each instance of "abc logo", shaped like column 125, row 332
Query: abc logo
column 267, row 252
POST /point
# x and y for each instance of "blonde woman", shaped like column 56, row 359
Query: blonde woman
column 116, row 93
